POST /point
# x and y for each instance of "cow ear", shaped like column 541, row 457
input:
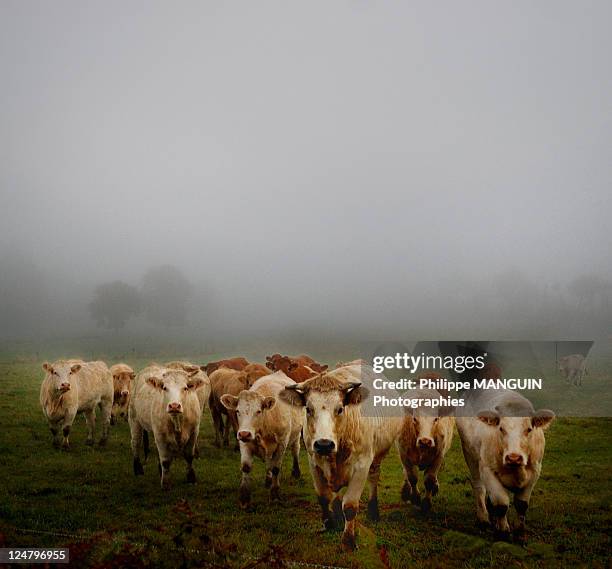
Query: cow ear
column 490, row 418
column 229, row 401
column 47, row 367
column 354, row 393
column 155, row 382
column 75, row 368
column 132, row 375
column 293, row 395
column 542, row 418
column 270, row 365
column 203, row 368
column 323, row 368
column 192, row 370
column 292, row 366
column 268, row 402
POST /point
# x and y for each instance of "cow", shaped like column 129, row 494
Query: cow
column 424, row 439
column 75, row 386
column 123, row 375
column 224, row 381
column 237, row 363
column 165, row 403
column 503, row 444
column 345, row 448
column 573, row 368
column 292, row 369
column 303, row 360
column 267, row 427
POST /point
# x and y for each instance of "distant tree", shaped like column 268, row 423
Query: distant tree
column 114, row 304
column 165, row 294
column 592, row 291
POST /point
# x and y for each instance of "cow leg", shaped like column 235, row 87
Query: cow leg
column 246, row 465
column 66, row 426
column 226, row 430
column 350, row 502
column 295, row 452
column 165, row 461
column 273, row 465
column 189, row 453
column 90, row 419
column 234, row 423
column 373, row 478
column 410, row 490
column 136, row 441
column 432, row 486
column 105, row 414
column 521, row 504
column 499, row 503
column 324, row 497
column 54, row 428
column 217, row 421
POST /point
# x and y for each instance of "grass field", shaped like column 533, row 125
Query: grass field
column 89, row 499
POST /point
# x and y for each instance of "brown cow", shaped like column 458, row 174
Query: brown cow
column 236, row 363
column 423, row 442
column 291, row 368
column 224, row 381
column 123, row 375
column 301, row 360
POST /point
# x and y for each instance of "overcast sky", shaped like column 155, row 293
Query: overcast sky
column 336, row 150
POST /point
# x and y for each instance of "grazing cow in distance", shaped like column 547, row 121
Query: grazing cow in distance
column 573, row 368
column 503, row 445
column 345, row 448
column 123, row 375
column 164, row 402
column 425, row 438
column 267, row 427
column 75, row 386
column 224, row 381
column 237, row 363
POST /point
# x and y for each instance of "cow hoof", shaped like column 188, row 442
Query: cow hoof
column 191, row 476
column 102, row 442
column 57, row 444
column 275, row 494
column 406, row 492
column 415, row 499
column 113, row 421
column 483, row 525
column 138, row 469
column 89, row 442
column 65, row 446
column 296, row 473
column 329, row 524
column 501, row 535
column 348, row 542
column 268, row 481
column 520, row 536
column 426, row 505
column 373, row 513
column 165, row 485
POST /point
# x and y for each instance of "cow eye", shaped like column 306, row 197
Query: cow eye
column 259, row 411
column 339, row 410
column 164, row 388
column 186, row 388
column 436, row 419
column 309, row 411
column 501, row 430
column 529, row 429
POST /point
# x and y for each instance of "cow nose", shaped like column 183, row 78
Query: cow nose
column 244, row 436
column 514, row 458
column 175, row 408
column 425, row 442
column 324, row 446
column 65, row 386
column 125, row 393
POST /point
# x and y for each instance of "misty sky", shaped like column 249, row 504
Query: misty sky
column 329, row 153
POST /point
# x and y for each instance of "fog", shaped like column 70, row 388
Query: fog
column 306, row 171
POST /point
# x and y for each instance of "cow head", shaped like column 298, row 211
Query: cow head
column 515, row 435
column 426, row 422
column 61, row 375
column 176, row 386
column 122, row 387
column 250, row 408
column 326, row 400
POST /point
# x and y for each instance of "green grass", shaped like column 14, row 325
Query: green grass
column 92, row 492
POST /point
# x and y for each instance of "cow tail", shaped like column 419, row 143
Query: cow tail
column 145, row 443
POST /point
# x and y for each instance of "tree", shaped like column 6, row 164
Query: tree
column 114, row 304
column 165, row 294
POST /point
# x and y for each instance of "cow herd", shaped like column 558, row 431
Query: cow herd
column 273, row 408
